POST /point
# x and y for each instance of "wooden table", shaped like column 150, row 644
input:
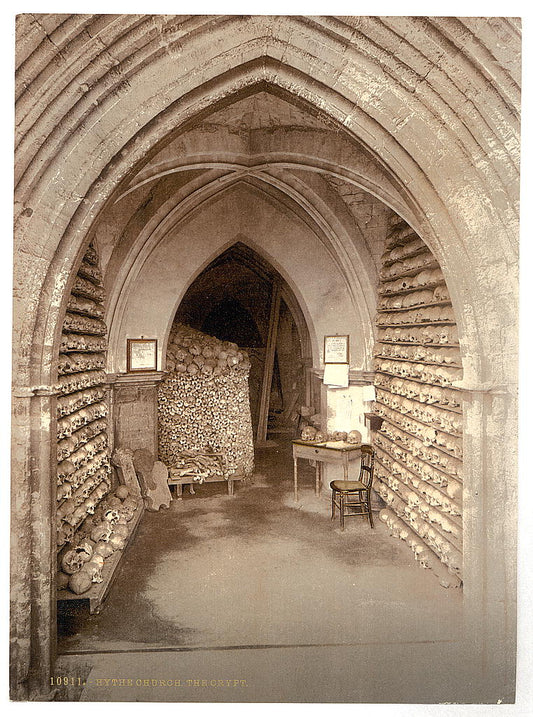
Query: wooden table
column 338, row 452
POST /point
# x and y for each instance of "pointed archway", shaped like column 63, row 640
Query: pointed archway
column 232, row 299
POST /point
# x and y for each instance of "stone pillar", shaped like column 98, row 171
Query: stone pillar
column 489, row 542
column 133, row 410
column 33, row 543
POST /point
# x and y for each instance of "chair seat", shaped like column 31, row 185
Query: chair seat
column 345, row 486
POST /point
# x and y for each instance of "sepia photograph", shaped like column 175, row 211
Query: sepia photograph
column 265, row 358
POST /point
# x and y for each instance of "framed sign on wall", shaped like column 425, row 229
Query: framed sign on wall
column 141, row 355
column 336, row 349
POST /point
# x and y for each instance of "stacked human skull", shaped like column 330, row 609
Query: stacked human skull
column 82, row 564
column 204, row 407
column 418, row 367
column 83, row 470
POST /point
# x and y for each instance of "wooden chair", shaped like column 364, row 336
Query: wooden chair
column 353, row 497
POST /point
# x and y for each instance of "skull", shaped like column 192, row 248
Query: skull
column 111, row 516
column 117, row 542
column 121, row 530
column 101, row 532
column 76, row 516
column 84, row 550
column 67, row 507
column 113, row 502
column 64, row 533
column 424, row 559
column 94, row 570
column 122, row 492
column 97, row 559
column 62, row 580
column 72, row 561
column 103, row 549
column 64, row 491
column 127, row 512
column 440, row 293
column 339, row 436
column 90, row 505
column 87, row 488
column 65, row 469
column 454, row 562
column 101, row 490
column 80, row 582
column 354, row 437
column 308, row 433
column 320, row 437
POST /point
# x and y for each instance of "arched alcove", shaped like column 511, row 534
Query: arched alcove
column 174, row 256
column 232, row 299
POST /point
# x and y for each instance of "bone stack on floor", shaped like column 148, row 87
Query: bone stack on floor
column 419, row 446
column 204, row 407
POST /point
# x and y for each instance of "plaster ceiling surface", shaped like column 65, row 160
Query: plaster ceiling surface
column 244, row 130
column 264, row 110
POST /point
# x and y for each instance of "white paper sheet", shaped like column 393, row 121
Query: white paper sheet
column 369, row 393
column 336, row 374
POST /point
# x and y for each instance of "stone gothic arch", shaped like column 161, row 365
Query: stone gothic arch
column 433, row 102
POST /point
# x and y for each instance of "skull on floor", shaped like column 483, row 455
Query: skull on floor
column 94, row 570
column 127, row 512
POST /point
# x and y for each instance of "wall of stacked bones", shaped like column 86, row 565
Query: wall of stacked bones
column 204, row 407
column 91, row 524
column 419, row 446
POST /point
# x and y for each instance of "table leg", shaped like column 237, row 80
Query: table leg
column 179, row 490
column 230, row 487
column 318, row 477
column 345, row 464
column 296, row 479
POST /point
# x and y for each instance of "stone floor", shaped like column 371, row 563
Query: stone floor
column 268, row 593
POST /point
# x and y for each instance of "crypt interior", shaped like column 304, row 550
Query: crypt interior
column 200, row 203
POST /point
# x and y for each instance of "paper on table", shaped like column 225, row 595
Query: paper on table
column 336, row 374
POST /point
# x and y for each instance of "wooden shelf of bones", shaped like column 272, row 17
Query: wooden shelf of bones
column 95, row 523
column 94, row 562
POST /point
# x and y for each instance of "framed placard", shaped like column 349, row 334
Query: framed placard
column 141, row 355
column 336, row 349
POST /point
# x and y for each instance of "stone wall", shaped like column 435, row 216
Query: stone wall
column 135, row 411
